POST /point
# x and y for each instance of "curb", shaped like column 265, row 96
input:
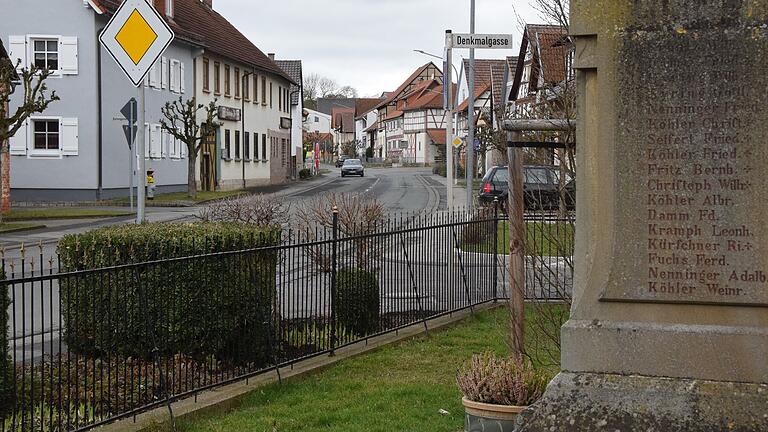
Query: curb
column 21, row 229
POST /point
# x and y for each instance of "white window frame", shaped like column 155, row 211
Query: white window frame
column 31, row 38
column 32, row 152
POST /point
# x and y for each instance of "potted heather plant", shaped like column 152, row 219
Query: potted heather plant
column 496, row 389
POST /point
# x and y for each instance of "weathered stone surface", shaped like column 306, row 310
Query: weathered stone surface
column 669, row 323
column 600, row 402
column 691, row 130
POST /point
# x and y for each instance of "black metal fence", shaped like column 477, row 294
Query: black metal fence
column 90, row 347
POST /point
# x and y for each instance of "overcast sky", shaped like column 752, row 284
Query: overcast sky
column 369, row 44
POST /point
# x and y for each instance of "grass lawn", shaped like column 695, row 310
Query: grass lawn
column 400, row 387
column 61, row 213
column 183, row 197
column 10, row 227
column 543, row 239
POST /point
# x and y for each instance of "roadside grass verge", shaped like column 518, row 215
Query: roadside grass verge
column 542, row 239
column 400, row 387
column 183, row 197
column 61, row 213
column 12, row 227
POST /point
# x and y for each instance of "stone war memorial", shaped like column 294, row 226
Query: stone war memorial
column 669, row 324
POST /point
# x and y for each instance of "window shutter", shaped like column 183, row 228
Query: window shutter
column 156, row 142
column 69, row 136
column 164, row 79
column 147, row 140
column 181, row 77
column 68, row 55
column 165, row 141
column 174, row 75
column 182, row 149
column 17, row 50
column 153, row 76
column 18, row 142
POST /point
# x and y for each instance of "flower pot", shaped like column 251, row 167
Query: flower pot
column 482, row 417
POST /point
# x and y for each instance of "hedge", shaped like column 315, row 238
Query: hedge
column 7, row 392
column 357, row 301
column 217, row 306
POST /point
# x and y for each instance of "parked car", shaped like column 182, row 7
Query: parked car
column 352, row 167
column 541, row 186
column 340, row 161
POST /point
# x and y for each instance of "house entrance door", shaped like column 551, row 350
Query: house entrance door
column 208, row 163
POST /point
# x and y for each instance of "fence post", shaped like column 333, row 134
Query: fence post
column 334, row 270
column 495, row 249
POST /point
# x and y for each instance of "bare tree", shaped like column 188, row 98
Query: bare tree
column 327, row 87
column 347, row 92
column 180, row 119
column 34, row 100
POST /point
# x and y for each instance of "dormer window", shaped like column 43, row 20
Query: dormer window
column 169, row 8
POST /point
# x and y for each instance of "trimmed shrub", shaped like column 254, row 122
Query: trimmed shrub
column 357, row 301
column 7, row 394
column 211, row 305
column 305, row 173
column 439, row 169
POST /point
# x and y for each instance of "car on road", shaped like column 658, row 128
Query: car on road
column 340, row 161
column 541, row 187
column 352, row 167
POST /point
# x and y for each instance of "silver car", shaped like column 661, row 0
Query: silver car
column 352, row 167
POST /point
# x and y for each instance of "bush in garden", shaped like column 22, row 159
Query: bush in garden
column 440, row 169
column 259, row 209
column 305, row 173
column 6, row 365
column 357, row 301
column 211, row 305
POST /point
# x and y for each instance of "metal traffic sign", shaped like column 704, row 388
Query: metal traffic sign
column 130, row 136
column 130, row 112
column 136, row 37
column 482, row 41
column 457, row 141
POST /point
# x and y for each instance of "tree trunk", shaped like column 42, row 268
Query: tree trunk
column 191, row 175
column 5, row 179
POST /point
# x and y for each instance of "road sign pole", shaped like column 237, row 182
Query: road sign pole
column 469, row 163
column 448, row 82
column 131, row 150
column 140, row 151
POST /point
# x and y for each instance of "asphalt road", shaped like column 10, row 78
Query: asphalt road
column 400, row 190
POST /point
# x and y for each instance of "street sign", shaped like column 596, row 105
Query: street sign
column 457, row 141
column 130, row 137
column 477, row 144
column 130, row 111
column 482, row 41
column 136, row 37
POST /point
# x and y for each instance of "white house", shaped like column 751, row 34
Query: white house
column 294, row 70
column 316, row 122
column 253, row 144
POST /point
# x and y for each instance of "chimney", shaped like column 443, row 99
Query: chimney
column 271, row 56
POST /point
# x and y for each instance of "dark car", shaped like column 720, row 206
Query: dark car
column 352, row 167
column 340, row 161
column 541, row 187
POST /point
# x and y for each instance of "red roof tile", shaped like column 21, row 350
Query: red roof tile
column 479, row 90
column 437, row 135
column 397, row 93
column 365, row 105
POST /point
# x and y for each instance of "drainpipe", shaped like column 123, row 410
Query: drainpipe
column 100, row 147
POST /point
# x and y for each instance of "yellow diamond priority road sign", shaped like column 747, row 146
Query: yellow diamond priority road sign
column 136, row 37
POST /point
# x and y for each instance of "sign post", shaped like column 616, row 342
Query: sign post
column 472, row 41
column 129, row 112
column 136, row 37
